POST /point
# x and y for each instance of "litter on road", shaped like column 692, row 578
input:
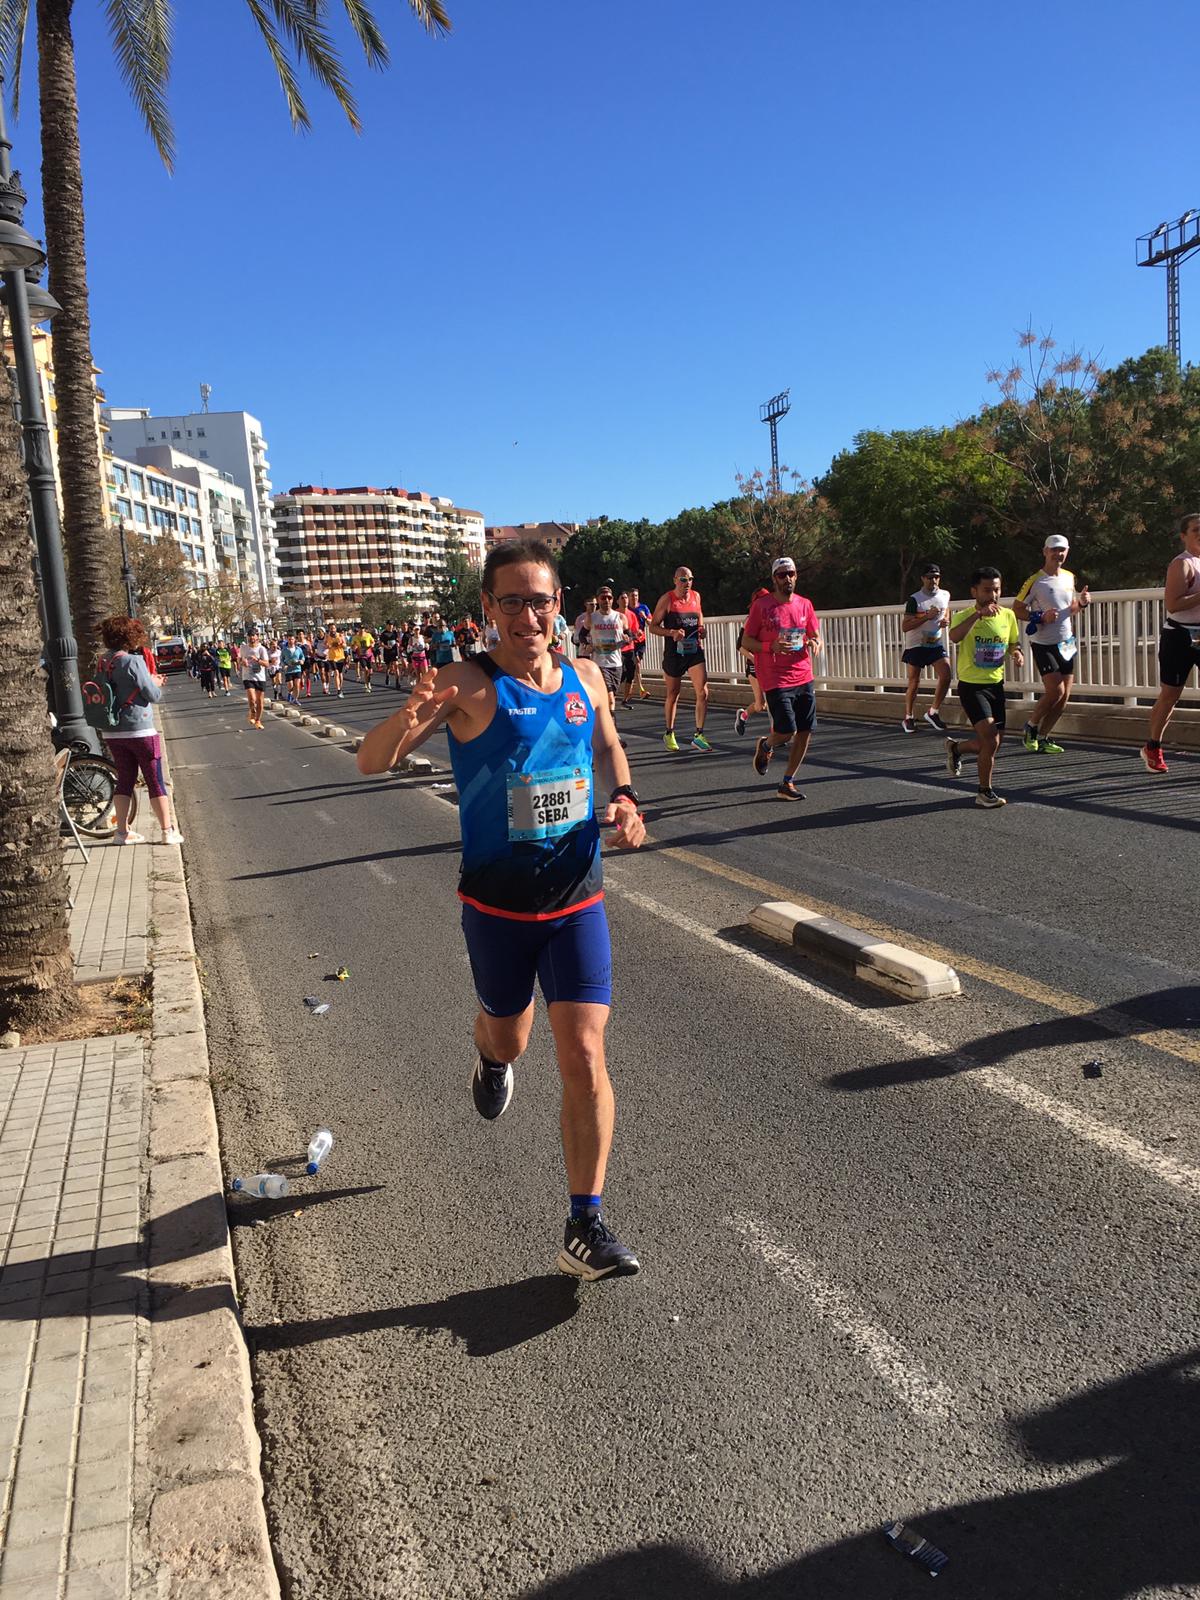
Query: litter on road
column 341, row 974
column 1093, row 1069
column 267, row 1185
column 319, row 1011
column 910, row 1543
column 319, row 1147
column 311, row 1001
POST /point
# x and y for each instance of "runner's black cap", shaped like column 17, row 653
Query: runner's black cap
column 931, row 571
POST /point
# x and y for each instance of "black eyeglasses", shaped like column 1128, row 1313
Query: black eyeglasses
column 512, row 605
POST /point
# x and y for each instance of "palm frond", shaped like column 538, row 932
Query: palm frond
column 141, row 35
column 432, row 15
column 302, row 22
column 369, row 36
column 14, row 19
column 283, row 67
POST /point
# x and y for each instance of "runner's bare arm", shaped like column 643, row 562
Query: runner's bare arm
column 427, row 707
column 655, row 623
column 611, row 766
column 1175, row 593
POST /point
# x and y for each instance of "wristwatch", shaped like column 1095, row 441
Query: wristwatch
column 626, row 790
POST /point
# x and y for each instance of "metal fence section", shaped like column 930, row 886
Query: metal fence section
column 1118, row 649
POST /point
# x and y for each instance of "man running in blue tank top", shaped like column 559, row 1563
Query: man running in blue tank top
column 526, row 728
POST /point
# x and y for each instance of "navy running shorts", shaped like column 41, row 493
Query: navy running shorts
column 923, row 655
column 570, row 956
column 793, row 710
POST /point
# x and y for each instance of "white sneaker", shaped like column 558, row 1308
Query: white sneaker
column 129, row 837
column 173, row 837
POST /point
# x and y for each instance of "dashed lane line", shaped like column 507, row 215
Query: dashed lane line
column 1114, row 1022
column 924, row 1396
column 1112, row 1141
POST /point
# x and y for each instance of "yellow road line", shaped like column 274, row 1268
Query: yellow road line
column 1175, row 1044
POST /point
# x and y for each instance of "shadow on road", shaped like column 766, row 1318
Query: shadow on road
column 450, row 847
column 487, row 1321
column 1118, row 1532
column 1146, row 1013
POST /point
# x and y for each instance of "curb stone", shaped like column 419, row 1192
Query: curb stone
column 876, row 961
column 200, row 1526
column 332, row 731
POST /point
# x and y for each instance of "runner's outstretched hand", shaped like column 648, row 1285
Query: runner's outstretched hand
column 631, row 829
column 425, row 701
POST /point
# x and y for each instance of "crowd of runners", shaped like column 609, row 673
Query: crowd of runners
column 528, row 703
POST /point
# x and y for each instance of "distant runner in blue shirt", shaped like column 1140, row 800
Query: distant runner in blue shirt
column 526, row 729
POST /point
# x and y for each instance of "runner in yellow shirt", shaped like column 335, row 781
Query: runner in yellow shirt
column 336, row 655
column 986, row 636
column 363, row 645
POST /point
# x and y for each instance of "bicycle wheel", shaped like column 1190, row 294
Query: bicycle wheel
column 91, row 783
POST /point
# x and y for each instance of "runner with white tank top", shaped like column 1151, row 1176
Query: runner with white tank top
column 1179, row 643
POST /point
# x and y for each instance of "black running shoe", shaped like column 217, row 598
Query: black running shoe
column 762, row 756
column 934, row 719
column 491, row 1088
column 591, row 1250
column 953, row 758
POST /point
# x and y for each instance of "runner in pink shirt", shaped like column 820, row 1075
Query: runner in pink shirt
column 783, row 634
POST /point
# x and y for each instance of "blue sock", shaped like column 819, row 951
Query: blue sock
column 584, row 1205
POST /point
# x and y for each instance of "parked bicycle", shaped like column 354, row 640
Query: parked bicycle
column 89, row 794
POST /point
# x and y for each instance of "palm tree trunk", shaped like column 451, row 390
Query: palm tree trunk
column 86, row 537
column 37, row 984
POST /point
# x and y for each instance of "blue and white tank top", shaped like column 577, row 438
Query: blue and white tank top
column 531, row 842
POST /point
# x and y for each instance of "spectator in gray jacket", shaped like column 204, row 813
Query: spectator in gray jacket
column 134, row 745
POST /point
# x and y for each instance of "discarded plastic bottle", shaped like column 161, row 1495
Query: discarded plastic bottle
column 910, row 1543
column 267, row 1184
column 319, row 1147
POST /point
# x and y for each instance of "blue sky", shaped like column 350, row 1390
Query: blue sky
column 580, row 241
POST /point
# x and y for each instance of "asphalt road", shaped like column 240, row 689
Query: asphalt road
column 898, row 1262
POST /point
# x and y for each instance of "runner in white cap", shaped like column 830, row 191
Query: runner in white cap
column 926, row 613
column 1048, row 602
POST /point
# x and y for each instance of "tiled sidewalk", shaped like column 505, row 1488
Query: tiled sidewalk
column 71, row 1292
column 112, row 910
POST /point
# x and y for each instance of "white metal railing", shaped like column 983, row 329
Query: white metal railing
column 1118, row 649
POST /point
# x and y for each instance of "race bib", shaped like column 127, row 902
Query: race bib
column 1067, row 647
column 989, row 653
column 689, row 645
column 792, row 638
column 1193, row 633
column 543, row 804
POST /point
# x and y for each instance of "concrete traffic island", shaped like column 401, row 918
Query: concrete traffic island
column 887, row 966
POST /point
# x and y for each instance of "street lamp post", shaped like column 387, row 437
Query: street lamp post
column 18, row 251
column 127, row 572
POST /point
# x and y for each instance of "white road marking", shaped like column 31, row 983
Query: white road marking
column 322, row 816
column 1113, row 1141
column 379, row 872
column 924, row 1396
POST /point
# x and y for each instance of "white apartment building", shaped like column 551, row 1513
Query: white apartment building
column 230, row 441
column 182, row 500
column 336, row 545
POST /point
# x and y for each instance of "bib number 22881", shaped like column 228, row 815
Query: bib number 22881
column 544, row 804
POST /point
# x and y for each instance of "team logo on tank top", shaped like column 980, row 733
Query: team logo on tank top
column 574, row 710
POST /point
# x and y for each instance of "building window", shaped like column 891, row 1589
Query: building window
column 120, row 476
column 180, row 497
column 192, row 500
column 136, row 483
column 139, row 513
column 200, row 433
column 174, row 433
column 124, row 508
column 204, row 455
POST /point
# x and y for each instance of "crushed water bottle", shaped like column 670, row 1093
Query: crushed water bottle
column 1035, row 622
column 910, row 1543
column 319, row 1147
column 267, row 1184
